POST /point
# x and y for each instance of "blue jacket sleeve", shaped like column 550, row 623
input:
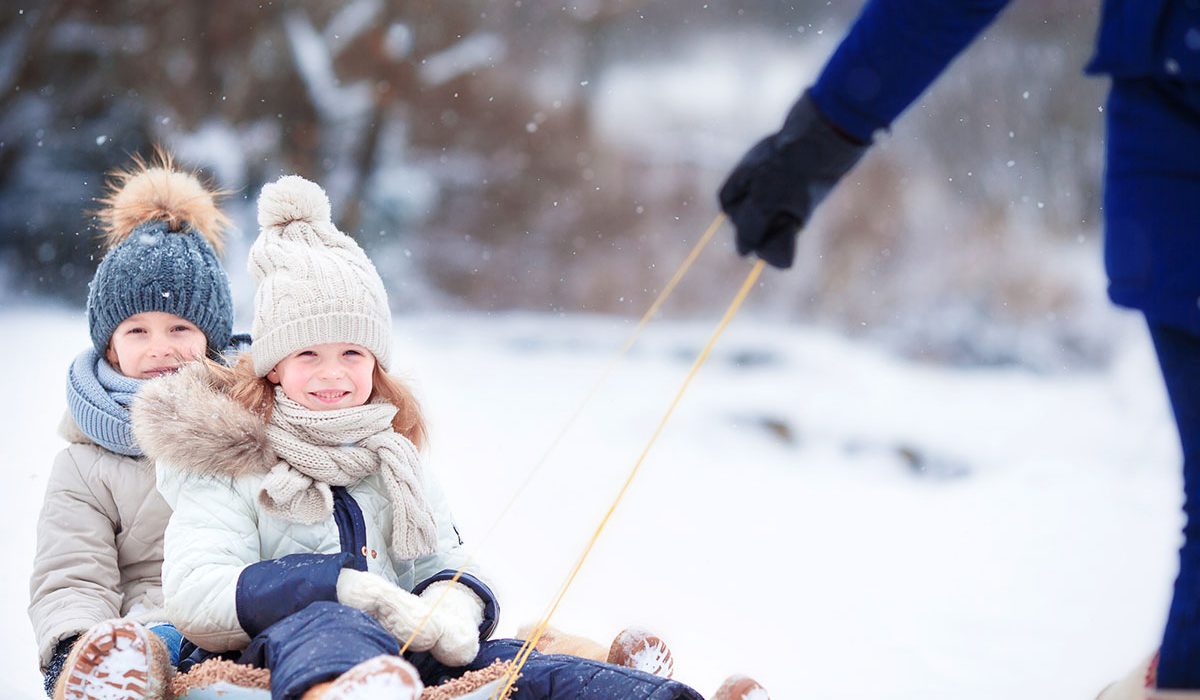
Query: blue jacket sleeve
column 894, row 50
column 272, row 590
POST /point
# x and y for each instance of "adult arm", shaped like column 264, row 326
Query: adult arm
column 891, row 54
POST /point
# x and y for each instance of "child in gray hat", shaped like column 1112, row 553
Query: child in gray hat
column 159, row 298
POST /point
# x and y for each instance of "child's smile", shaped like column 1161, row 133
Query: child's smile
column 329, row 396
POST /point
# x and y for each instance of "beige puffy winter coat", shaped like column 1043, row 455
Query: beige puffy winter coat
column 99, row 543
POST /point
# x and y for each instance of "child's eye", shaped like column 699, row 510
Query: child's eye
column 181, row 328
column 306, row 353
column 131, row 331
column 353, row 353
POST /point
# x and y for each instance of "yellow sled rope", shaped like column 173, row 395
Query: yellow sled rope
column 629, row 342
column 528, row 646
column 523, row 654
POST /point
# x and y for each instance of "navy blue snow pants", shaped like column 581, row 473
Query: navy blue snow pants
column 1179, row 356
column 317, row 644
column 325, row 639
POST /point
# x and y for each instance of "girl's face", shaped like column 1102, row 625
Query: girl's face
column 154, row 343
column 327, row 376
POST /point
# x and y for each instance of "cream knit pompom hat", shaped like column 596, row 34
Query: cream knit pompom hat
column 315, row 285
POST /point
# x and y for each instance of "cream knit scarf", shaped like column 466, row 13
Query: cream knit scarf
column 319, row 449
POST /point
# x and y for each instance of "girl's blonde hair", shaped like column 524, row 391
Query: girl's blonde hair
column 257, row 395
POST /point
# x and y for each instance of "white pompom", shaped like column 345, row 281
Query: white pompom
column 291, row 198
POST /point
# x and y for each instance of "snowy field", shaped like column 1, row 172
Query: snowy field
column 831, row 521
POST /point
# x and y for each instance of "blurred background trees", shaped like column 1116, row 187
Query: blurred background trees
column 550, row 157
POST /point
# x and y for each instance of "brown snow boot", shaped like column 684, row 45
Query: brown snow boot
column 642, row 651
column 1140, row 685
column 741, row 688
column 116, row 660
column 384, row 676
column 632, row 648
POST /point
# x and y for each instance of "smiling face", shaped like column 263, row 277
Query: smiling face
column 154, row 343
column 327, row 376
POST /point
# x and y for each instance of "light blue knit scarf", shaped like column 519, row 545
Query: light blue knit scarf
column 99, row 398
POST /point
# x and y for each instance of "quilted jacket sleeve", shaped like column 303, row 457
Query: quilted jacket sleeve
column 75, row 579
column 212, row 537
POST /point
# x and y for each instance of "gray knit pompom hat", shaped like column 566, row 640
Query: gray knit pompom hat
column 315, row 285
column 164, row 231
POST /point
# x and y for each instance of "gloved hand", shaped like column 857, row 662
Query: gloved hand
column 772, row 192
column 459, row 614
column 393, row 607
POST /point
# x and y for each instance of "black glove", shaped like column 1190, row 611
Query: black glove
column 772, row 192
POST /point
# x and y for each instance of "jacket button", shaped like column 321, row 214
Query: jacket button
column 364, row 550
column 374, row 554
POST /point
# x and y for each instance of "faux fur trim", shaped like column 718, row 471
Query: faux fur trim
column 69, row 430
column 471, row 681
column 188, row 421
column 208, row 674
column 158, row 191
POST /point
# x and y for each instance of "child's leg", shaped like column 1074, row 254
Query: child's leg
column 555, row 641
column 1179, row 356
column 317, row 644
column 546, row 676
column 61, row 651
column 171, row 639
column 632, row 648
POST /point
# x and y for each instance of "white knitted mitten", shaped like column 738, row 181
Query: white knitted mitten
column 395, row 608
column 459, row 613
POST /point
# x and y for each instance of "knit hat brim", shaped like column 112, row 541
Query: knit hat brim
column 336, row 327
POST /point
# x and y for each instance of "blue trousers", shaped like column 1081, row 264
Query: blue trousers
column 325, row 639
column 317, row 644
column 1179, row 357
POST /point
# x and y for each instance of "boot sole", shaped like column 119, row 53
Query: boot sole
column 642, row 651
column 383, row 676
column 113, row 664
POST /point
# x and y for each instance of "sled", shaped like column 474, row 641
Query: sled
column 222, row 690
column 227, row 691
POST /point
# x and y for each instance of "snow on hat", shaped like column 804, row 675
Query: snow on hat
column 163, row 232
column 315, row 284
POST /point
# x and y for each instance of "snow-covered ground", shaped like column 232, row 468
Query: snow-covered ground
column 831, row 521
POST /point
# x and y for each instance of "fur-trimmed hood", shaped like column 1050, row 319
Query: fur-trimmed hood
column 70, row 431
column 188, row 421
